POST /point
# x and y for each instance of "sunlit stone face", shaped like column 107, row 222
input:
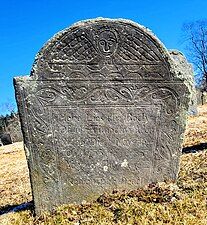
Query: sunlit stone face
column 107, row 42
column 103, row 109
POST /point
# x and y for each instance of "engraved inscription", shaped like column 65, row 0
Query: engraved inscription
column 105, row 136
column 118, row 125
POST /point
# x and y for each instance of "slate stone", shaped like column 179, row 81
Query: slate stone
column 104, row 108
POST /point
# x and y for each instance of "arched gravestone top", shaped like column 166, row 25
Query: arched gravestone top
column 104, row 108
column 131, row 50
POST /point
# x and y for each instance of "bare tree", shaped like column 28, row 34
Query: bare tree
column 8, row 107
column 9, row 113
column 195, row 37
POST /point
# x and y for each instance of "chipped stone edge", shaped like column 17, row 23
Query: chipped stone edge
column 185, row 71
column 188, row 80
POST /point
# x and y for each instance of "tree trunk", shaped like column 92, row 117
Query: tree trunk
column 202, row 97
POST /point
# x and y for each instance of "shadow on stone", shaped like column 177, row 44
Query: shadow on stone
column 194, row 148
column 17, row 208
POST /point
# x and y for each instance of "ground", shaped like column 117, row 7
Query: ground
column 183, row 202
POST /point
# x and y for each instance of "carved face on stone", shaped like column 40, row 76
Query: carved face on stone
column 107, row 42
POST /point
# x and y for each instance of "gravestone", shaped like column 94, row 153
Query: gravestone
column 185, row 71
column 5, row 139
column 1, row 143
column 103, row 109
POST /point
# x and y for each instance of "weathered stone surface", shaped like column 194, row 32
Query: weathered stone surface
column 185, row 71
column 103, row 109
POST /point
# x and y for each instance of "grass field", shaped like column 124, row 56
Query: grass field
column 183, row 202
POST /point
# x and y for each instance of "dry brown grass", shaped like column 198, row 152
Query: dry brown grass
column 165, row 203
column 196, row 131
column 14, row 182
column 14, row 185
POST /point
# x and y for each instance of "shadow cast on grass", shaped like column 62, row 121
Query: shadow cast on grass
column 17, row 208
column 194, row 148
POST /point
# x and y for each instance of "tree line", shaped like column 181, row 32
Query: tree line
column 5, row 120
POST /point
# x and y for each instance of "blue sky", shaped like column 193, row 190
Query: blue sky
column 25, row 25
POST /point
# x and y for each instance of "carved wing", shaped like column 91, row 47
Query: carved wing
column 137, row 47
column 74, row 47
